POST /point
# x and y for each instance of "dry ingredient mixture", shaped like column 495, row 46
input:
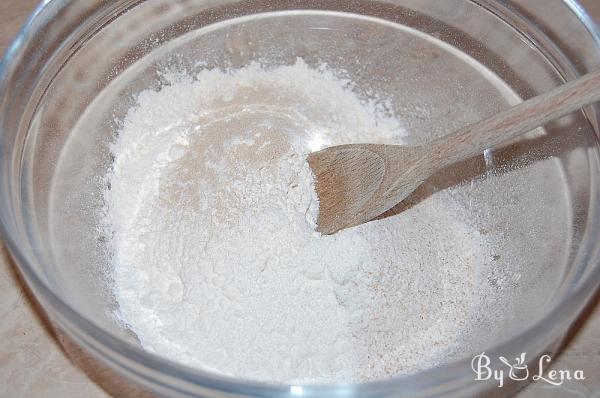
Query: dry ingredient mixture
column 211, row 210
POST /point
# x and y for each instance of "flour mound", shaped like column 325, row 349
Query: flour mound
column 211, row 212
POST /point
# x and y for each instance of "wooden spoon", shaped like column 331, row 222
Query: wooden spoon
column 356, row 183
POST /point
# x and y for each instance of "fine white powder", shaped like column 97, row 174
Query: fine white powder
column 211, row 210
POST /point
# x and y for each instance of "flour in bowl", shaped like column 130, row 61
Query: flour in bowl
column 211, row 212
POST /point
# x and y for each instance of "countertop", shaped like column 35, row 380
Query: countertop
column 36, row 361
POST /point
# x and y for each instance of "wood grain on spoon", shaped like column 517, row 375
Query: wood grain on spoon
column 356, row 183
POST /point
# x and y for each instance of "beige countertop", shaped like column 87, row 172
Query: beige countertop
column 37, row 362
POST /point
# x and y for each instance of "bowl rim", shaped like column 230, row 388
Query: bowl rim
column 120, row 353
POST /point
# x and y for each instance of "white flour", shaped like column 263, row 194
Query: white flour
column 211, row 208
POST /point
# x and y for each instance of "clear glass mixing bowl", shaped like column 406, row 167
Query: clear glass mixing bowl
column 75, row 67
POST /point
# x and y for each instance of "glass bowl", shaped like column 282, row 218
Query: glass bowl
column 76, row 66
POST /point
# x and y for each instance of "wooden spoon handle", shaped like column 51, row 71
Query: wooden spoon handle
column 474, row 139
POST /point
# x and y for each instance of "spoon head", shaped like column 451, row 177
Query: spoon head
column 346, row 178
column 356, row 183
